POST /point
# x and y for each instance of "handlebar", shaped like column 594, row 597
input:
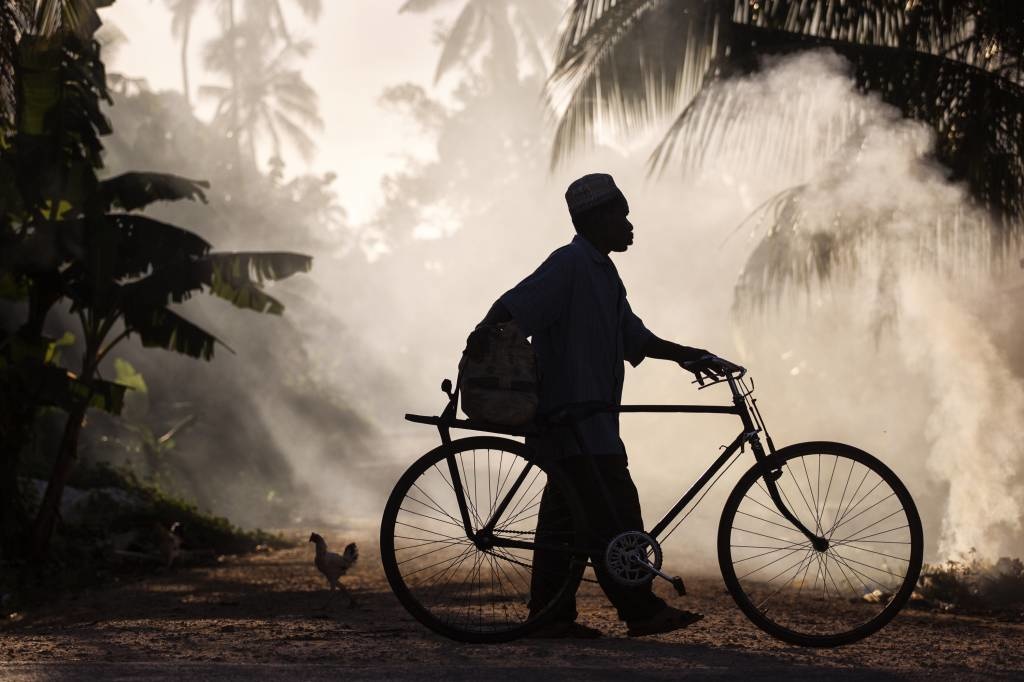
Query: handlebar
column 730, row 376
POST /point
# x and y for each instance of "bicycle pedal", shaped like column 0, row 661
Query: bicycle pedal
column 677, row 583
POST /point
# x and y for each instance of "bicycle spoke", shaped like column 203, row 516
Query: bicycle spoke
column 443, row 547
column 432, row 518
column 773, row 551
column 789, row 527
column 874, row 535
column 760, row 568
column 773, row 511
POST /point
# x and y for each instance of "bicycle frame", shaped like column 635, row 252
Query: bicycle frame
column 746, row 411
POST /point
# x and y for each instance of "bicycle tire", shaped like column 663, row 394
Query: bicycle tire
column 792, row 617
column 439, row 610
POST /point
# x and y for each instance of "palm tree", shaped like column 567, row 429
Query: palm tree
column 183, row 13
column 272, row 11
column 512, row 29
column 268, row 97
column 957, row 66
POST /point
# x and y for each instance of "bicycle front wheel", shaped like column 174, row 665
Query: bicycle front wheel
column 827, row 597
column 476, row 586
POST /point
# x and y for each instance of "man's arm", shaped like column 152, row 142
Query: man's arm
column 666, row 350
column 702, row 363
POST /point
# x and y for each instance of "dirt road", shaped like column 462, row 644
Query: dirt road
column 263, row 616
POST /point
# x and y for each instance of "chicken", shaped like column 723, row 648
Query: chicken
column 334, row 565
column 170, row 542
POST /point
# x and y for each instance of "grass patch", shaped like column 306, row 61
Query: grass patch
column 119, row 516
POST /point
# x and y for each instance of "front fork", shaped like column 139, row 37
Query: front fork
column 770, row 477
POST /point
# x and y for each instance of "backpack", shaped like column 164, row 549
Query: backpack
column 498, row 376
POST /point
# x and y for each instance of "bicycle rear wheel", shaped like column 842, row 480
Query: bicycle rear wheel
column 467, row 588
column 821, row 598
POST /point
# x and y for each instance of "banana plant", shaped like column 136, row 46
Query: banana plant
column 69, row 236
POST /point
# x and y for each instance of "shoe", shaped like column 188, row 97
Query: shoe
column 666, row 620
column 565, row 630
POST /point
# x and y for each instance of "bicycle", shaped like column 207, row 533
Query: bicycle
column 805, row 565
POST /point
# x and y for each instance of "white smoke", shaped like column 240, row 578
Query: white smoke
column 976, row 405
column 898, row 333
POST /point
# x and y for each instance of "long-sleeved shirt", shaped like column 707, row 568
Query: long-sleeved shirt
column 575, row 309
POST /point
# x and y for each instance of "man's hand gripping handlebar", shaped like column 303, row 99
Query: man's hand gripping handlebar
column 711, row 368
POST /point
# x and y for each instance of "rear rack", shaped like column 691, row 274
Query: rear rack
column 443, row 422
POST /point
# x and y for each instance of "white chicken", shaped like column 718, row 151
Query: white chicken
column 170, row 542
column 334, row 565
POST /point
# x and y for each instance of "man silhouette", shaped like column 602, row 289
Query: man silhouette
column 582, row 327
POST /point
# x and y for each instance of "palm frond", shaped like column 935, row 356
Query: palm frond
column 981, row 33
column 531, row 37
column 311, row 8
column 775, row 121
column 420, row 5
column 15, row 19
column 978, row 115
column 803, row 248
column 628, row 63
column 504, row 52
column 297, row 134
column 183, row 13
column 69, row 16
column 464, row 35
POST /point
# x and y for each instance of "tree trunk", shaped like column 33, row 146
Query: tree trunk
column 184, row 67
column 49, row 510
column 235, row 94
column 18, row 412
column 15, row 422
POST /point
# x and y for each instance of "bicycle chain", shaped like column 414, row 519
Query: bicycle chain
column 508, row 557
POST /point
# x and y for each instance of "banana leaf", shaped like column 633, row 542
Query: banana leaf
column 235, row 277
column 163, row 328
column 132, row 191
column 56, row 386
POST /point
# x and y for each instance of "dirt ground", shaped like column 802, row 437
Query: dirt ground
column 264, row 616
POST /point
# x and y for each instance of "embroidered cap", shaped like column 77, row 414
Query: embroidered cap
column 591, row 190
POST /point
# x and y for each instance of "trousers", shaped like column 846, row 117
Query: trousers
column 606, row 518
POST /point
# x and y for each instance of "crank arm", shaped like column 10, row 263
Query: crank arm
column 676, row 581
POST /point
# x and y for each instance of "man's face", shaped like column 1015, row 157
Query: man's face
column 615, row 232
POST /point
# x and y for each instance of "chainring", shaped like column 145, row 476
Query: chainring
column 628, row 556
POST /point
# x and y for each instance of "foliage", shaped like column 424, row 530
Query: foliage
column 514, row 32
column 300, row 369
column 83, row 555
column 975, row 585
column 70, row 236
column 264, row 96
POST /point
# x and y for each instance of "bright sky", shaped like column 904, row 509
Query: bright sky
column 361, row 47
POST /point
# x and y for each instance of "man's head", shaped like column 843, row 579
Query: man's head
column 598, row 210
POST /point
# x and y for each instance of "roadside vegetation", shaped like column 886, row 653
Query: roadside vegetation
column 973, row 585
column 87, row 488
